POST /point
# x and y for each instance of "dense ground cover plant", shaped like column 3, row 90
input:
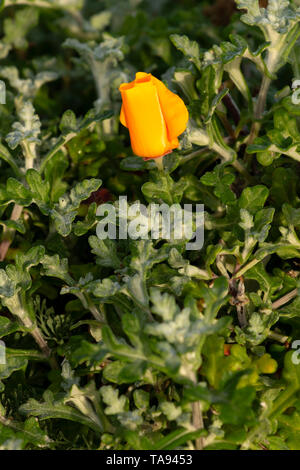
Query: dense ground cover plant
column 140, row 344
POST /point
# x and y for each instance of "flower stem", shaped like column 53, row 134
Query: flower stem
column 159, row 163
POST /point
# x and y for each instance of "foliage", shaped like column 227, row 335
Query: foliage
column 124, row 344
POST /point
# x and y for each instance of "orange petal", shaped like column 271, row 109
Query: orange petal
column 140, row 76
column 144, row 117
column 122, row 117
column 174, row 110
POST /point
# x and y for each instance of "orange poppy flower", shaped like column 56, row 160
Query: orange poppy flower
column 155, row 116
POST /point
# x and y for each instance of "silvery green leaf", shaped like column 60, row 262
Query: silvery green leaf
column 56, row 408
column 7, row 326
column 267, row 283
column 17, row 225
column 115, row 404
column 188, row 48
column 68, row 123
column 136, row 287
column 15, row 191
column 254, row 198
column 164, row 304
column 7, row 287
column 40, row 189
column 186, row 81
column 11, row 73
column 8, row 158
column 197, row 135
column 110, row 48
column 4, row 50
column 100, row 20
column 70, row 5
column 28, row 129
column 84, row 284
column 16, row 29
column 104, row 289
column 87, row 402
column 106, row 252
column 19, row 273
column 56, row 267
column 279, row 14
column 83, row 226
column 131, row 419
column 12, row 364
column 83, row 49
column 44, row 77
column 259, row 327
column 246, row 220
column 64, row 213
column 171, row 411
column 176, row 260
column 27, row 87
column 144, row 255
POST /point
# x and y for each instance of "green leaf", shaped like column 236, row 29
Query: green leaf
column 188, row 48
column 221, row 181
column 7, row 287
column 164, row 189
column 105, row 251
column 177, row 438
column 27, row 130
column 16, row 29
column 15, row 192
column 12, row 364
column 56, row 409
column 269, row 284
column 66, row 210
column 17, row 225
column 115, row 404
column 56, row 267
column 8, row 327
column 39, row 189
column 253, row 198
column 8, row 158
column 279, row 15
column 68, row 123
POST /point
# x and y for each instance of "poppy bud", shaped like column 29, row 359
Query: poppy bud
column 154, row 116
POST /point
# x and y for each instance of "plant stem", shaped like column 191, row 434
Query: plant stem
column 259, row 108
column 198, row 422
column 8, row 234
column 39, row 339
column 95, row 312
column 278, row 337
column 60, row 143
column 19, row 428
column 197, row 418
column 262, row 97
column 192, row 155
column 239, row 166
column 246, row 267
column 283, row 300
column 159, row 163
